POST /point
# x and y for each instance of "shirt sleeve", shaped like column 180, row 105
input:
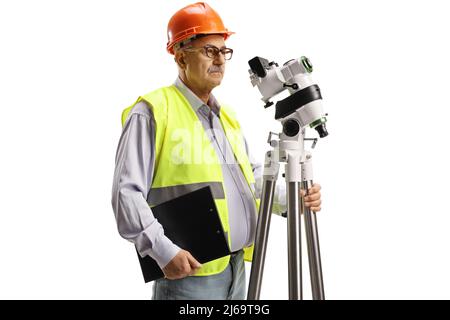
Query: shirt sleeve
column 279, row 198
column 133, row 176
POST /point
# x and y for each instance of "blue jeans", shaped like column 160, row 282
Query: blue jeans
column 227, row 285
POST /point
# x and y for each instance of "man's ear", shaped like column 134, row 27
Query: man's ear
column 180, row 59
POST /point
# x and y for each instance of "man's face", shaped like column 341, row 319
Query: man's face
column 202, row 71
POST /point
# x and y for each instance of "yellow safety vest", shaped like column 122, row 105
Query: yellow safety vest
column 185, row 159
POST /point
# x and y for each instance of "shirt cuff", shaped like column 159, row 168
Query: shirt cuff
column 163, row 251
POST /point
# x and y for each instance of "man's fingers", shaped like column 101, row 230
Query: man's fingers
column 312, row 197
column 193, row 262
column 193, row 271
column 315, row 189
column 312, row 200
column 311, row 204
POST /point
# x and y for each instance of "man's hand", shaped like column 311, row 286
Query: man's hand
column 312, row 200
column 181, row 266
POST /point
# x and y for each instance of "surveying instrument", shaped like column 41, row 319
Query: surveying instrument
column 301, row 109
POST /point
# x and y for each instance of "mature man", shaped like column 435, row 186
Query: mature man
column 151, row 169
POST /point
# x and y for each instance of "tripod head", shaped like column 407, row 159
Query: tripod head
column 303, row 107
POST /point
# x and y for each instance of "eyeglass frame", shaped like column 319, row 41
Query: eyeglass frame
column 205, row 47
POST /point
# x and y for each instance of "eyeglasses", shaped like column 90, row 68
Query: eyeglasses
column 213, row 52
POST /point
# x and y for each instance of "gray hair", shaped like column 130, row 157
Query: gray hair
column 182, row 44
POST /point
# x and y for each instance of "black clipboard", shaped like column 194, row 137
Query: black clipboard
column 192, row 222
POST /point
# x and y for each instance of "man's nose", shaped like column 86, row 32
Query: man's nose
column 219, row 59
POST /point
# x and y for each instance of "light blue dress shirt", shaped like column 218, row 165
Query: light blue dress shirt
column 134, row 173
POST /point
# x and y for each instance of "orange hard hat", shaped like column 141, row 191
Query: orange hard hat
column 194, row 19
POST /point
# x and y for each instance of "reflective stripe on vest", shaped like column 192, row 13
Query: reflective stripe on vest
column 185, row 159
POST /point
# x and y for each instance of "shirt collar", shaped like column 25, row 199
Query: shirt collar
column 196, row 103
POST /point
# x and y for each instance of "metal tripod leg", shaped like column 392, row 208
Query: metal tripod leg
column 262, row 232
column 294, row 241
column 262, row 229
column 298, row 175
column 312, row 237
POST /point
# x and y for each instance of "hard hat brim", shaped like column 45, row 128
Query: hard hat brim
column 226, row 34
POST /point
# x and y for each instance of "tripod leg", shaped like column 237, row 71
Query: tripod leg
column 312, row 238
column 294, row 241
column 262, row 229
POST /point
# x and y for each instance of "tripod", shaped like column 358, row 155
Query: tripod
column 301, row 109
column 298, row 176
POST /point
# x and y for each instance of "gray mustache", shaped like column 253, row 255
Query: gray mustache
column 215, row 69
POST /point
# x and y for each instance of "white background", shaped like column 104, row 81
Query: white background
column 68, row 69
